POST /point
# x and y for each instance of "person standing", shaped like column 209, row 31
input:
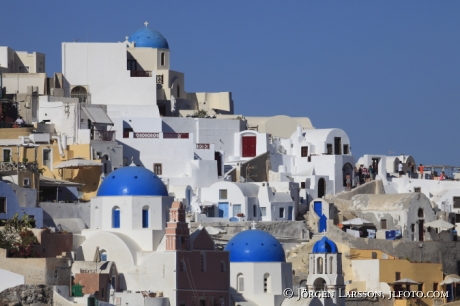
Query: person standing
column 421, row 168
column 348, row 181
column 400, row 169
column 409, row 169
column 366, row 174
column 356, row 176
column 371, row 173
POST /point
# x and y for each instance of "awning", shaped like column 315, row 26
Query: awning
column 52, row 182
column 357, row 221
column 97, row 115
column 78, row 163
column 207, row 203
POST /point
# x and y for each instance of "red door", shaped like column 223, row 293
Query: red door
column 249, row 146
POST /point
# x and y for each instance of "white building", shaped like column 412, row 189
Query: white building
column 258, row 269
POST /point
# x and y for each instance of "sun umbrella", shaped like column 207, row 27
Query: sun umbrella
column 450, row 279
column 357, row 221
column 440, row 224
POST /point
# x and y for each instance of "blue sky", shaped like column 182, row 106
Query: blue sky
column 386, row 72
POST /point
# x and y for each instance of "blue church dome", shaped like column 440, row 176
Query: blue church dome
column 325, row 245
column 132, row 181
column 147, row 38
column 255, row 246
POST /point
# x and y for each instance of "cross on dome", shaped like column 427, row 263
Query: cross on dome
column 146, row 23
column 253, row 224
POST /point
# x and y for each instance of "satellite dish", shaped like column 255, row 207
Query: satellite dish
column 281, row 149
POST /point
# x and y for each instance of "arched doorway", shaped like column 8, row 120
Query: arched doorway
column 347, row 169
column 80, row 93
column 321, row 187
column 319, row 284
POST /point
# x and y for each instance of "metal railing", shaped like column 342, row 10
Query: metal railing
column 104, row 135
column 141, row 73
column 175, row 135
column 203, row 146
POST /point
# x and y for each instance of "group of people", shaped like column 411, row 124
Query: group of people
column 360, row 176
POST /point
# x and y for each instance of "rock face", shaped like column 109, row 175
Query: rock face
column 27, row 295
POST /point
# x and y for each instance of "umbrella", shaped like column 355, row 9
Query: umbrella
column 357, row 221
column 451, row 279
column 78, row 163
column 405, row 281
column 440, row 224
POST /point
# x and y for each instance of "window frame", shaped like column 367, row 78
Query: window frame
column 158, row 168
column 223, row 194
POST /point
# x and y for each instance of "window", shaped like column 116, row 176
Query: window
column 329, row 148
column 456, row 201
column 418, row 189
column 263, row 211
column 47, row 158
column 145, row 217
column 337, row 146
column 6, row 155
column 330, row 265
column 281, row 212
column 223, row 194
column 240, row 282
column 202, row 263
column 178, row 90
column 457, row 218
column 162, row 59
column 116, row 217
column 304, row 152
column 26, row 183
column 132, row 65
column 420, row 213
column 435, row 286
column 126, row 132
column 302, row 185
column 319, row 265
column 397, row 276
column 2, row 205
column 420, row 287
column 158, row 169
column 346, row 149
column 103, row 255
column 236, row 209
column 254, row 210
column 383, row 224
column 222, row 266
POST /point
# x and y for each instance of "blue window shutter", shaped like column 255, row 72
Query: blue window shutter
column 116, row 218
column 145, row 218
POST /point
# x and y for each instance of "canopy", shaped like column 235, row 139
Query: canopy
column 450, row 279
column 78, row 163
column 441, row 224
column 207, row 203
column 405, row 281
column 357, row 221
column 52, row 182
column 97, row 115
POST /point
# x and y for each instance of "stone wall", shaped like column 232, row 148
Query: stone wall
column 37, row 295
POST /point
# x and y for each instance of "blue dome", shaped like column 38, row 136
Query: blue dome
column 132, row 181
column 325, row 245
column 255, row 246
column 148, row 38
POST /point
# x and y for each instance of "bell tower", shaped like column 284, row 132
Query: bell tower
column 177, row 232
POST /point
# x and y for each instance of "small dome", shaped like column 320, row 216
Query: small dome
column 255, row 246
column 325, row 245
column 132, row 181
column 147, row 38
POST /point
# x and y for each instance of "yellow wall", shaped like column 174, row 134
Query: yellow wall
column 14, row 133
column 367, row 254
column 425, row 273
column 88, row 176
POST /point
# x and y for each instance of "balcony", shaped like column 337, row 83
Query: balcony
column 140, row 74
column 14, row 166
column 175, row 135
column 104, row 135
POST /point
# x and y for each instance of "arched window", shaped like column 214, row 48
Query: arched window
column 319, row 284
column 203, row 263
column 145, row 217
column 330, row 264
column 420, row 213
column 178, row 90
column 182, row 267
column 267, row 283
column 80, row 93
column 116, row 217
column 162, row 58
column 240, row 282
column 103, row 255
column 319, row 265
column 222, row 266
